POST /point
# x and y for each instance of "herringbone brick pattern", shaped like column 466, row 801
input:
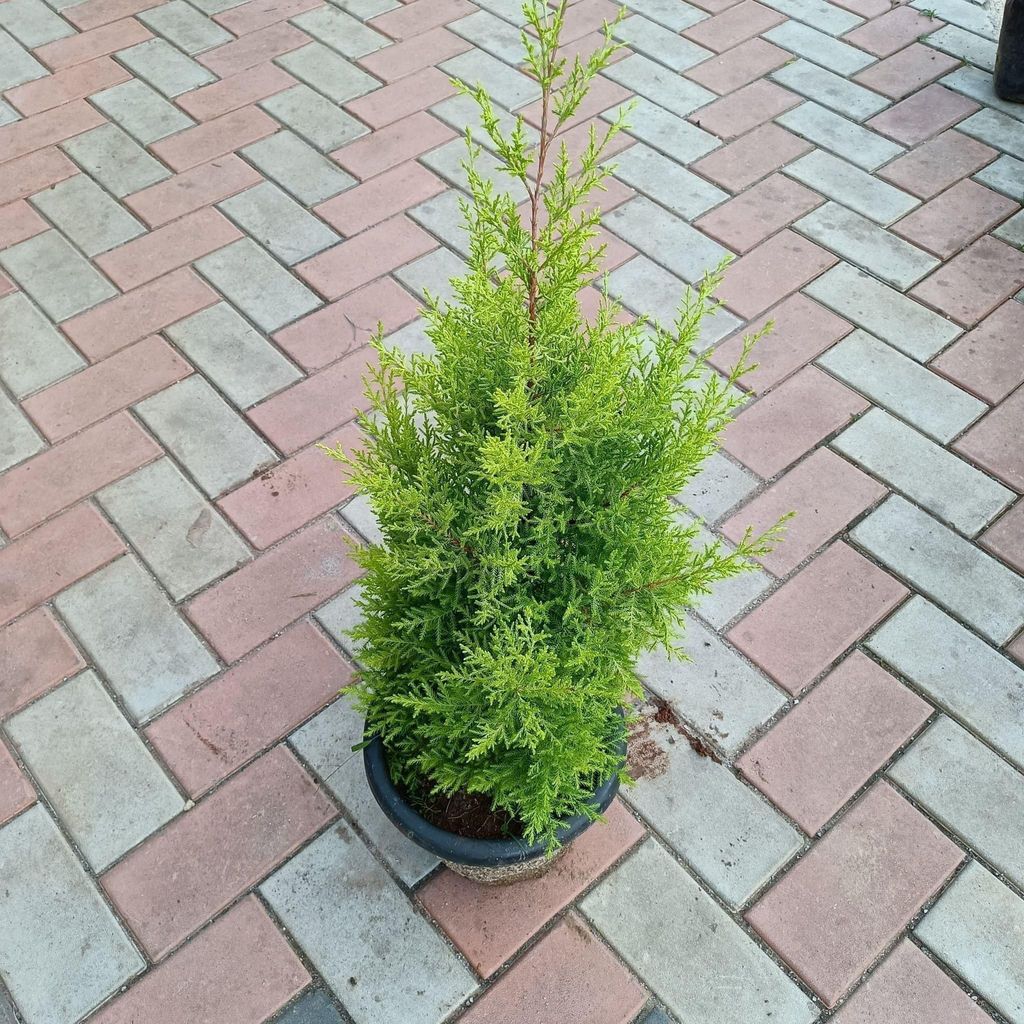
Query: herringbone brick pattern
column 206, row 206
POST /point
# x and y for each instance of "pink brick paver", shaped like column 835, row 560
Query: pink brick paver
column 987, row 361
column 262, row 698
column 71, row 84
column 1006, row 538
column 209, row 978
column 920, row 116
column 253, row 50
column 746, row 108
column 936, row 165
column 739, row 65
column 892, row 31
column 19, row 221
column 282, row 499
column 802, row 330
column 46, row 560
column 909, row 988
column 853, row 722
column 333, row 332
column 177, row 880
column 16, row 792
column 398, row 142
column 811, row 680
column 284, row 583
column 71, row 470
column 321, row 403
column 733, row 26
column 809, row 621
column 766, row 275
column 775, row 431
column 824, row 491
column 106, row 387
column 904, row 72
column 113, row 325
column 771, row 204
column 357, row 262
column 954, row 219
column 569, row 976
column 994, row 441
column 973, row 283
column 192, row 190
column 489, row 922
column 35, row 655
column 97, row 42
column 380, row 198
column 165, row 249
column 840, row 906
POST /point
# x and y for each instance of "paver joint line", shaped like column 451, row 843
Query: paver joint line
column 206, row 207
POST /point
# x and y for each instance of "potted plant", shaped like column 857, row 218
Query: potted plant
column 521, row 475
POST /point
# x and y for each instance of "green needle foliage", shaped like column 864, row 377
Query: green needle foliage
column 521, row 475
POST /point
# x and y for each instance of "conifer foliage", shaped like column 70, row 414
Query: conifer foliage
column 521, row 475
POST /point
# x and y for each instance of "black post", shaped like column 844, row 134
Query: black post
column 1009, row 73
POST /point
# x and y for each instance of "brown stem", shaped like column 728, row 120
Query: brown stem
column 545, row 110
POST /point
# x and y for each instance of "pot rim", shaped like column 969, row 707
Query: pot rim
column 462, row 849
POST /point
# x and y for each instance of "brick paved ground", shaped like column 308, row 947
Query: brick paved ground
column 204, row 205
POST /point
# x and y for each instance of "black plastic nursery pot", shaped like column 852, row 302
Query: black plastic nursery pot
column 492, row 861
column 1009, row 69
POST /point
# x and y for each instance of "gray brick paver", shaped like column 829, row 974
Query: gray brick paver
column 62, row 957
column 135, row 637
column 18, row 438
column 971, row 790
column 319, row 121
column 86, row 215
column 212, row 441
column 660, row 44
column 657, row 83
column 943, row 565
column 333, row 898
column 82, row 750
column 863, row 243
column 882, row 311
column 233, row 354
column 181, row 24
column 37, row 262
column 844, row 137
column 33, row 354
column 961, row 673
column 830, row 90
column 165, row 67
column 896, row 382
column 670, row 240
column 975, row 928
column 183, row 539
column 141, row 111
column 298, row 168
column 687, row 950
column 257, row 284
column 725, row 832
column 278, row 223
column 115, row 160
column 854, row 188
column 325, row 743
column 925, row 472
column 819, row 47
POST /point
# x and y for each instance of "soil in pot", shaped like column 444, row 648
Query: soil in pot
column 466, row 814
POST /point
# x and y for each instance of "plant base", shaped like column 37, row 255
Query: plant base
column 507, row 874
column 488, row 861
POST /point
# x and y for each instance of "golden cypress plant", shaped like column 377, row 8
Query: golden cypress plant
column 521, row 475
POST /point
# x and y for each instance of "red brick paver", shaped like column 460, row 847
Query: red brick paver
column 842, row 904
